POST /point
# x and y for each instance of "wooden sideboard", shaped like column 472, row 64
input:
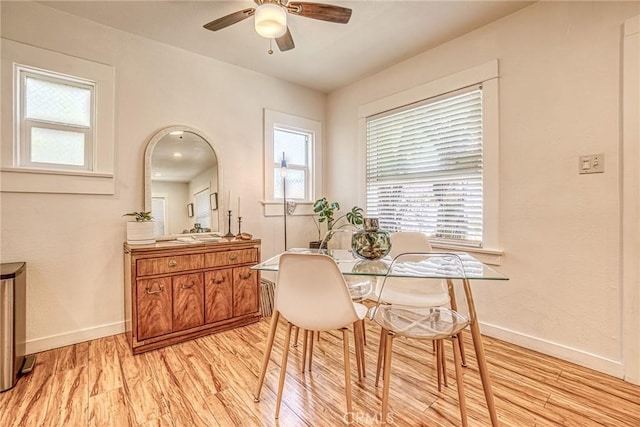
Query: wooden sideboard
column 178, row 291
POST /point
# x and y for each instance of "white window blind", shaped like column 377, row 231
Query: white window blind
column 424, row 167
column 203, row 208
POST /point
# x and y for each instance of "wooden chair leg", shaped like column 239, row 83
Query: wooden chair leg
column 295, row 337
column 444, row 364
column 275, row 316
column 361, row 329
column 311, row 349
column 460, row 381
column 381, row 347
column 283, row 369
column 439, row 370
column 347, row 371
column 387, row 376
column 462, row 352
column 304, row 349
column 364, row 332
column 358, row 329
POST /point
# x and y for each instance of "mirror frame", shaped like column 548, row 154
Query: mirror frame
column 147, row 167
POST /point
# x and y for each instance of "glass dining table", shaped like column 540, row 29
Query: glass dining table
column 471, row 269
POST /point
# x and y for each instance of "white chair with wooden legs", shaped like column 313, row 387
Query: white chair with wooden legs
column 337, row 243
column 426, row 323
column 312, row 294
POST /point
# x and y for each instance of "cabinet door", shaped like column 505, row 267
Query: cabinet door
column 218, row 295
column 153, row 307
column 245, row 291
column 188, row 301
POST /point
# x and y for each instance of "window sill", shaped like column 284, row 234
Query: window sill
column 24, row 180
column 487, row 256
column 276, row 208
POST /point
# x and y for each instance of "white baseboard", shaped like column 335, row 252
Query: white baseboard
column 579, row 357
column 74, row 337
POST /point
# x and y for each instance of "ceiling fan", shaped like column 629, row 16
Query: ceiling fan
column 271, row 18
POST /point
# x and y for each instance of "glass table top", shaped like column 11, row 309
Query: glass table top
column 449, row 265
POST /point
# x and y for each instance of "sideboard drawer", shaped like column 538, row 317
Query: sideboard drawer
column 242, row 256
column 170, row 264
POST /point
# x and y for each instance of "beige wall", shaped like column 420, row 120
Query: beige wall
column 559, row 98
column 73, row 243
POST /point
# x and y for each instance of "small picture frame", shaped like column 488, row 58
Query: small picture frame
column 213, row 199
column 190, row 210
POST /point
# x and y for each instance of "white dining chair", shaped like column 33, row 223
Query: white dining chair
column 418, row 322
column 311, row 293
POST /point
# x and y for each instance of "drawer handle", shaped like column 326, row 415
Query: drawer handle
column 245, row 276
column 233, row 257
column 157, row 291
column 219, row 280
column 189, row 286
column 173, row 263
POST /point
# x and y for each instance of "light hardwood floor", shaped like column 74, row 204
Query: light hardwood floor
column 210, row 381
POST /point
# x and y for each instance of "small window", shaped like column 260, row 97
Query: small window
column 299, row 140
column 294, row 147
column 202, row 209
column 55, row 120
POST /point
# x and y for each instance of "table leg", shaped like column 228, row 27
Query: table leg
column 479, row 350
column 275, row 316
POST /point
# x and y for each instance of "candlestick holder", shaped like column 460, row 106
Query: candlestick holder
column 229, row 234
column 239, row 227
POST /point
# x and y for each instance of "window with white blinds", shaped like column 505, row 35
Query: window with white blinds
column 425, row 167
column 202, row 207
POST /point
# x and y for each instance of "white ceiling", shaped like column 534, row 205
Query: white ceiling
column 327, row 55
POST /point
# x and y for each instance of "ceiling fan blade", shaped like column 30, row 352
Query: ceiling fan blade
column 323, row 12
column 230, row 19
column 285, row 42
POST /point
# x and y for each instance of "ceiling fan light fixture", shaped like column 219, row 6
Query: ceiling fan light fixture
column 270, row 20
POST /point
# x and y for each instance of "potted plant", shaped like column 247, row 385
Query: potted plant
column 326, row 213
column 140, row 231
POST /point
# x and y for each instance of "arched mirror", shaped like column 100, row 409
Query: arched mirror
column 182, row 179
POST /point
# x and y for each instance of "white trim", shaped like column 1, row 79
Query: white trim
column 313, row 127
column 101, row 180
column 275, row 208
column 630, row 201
column 570, row 354
column 74, row 337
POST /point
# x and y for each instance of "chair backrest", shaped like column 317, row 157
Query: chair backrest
column 400, row 287
column 311, row 292
column 413, row 292
column 409, row 241
column 405, row 317
column 338, row 239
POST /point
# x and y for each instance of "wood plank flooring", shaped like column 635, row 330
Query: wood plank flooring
column 210, row 382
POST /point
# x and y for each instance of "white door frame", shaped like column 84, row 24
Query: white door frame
column 630, row 200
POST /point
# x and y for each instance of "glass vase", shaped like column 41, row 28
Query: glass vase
column 371, row 243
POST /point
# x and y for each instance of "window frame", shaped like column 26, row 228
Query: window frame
column 287, row 122
column 19, row 179
column 24, row 124
column 487, row 75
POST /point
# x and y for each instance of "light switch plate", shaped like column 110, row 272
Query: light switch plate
column 592, row 163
